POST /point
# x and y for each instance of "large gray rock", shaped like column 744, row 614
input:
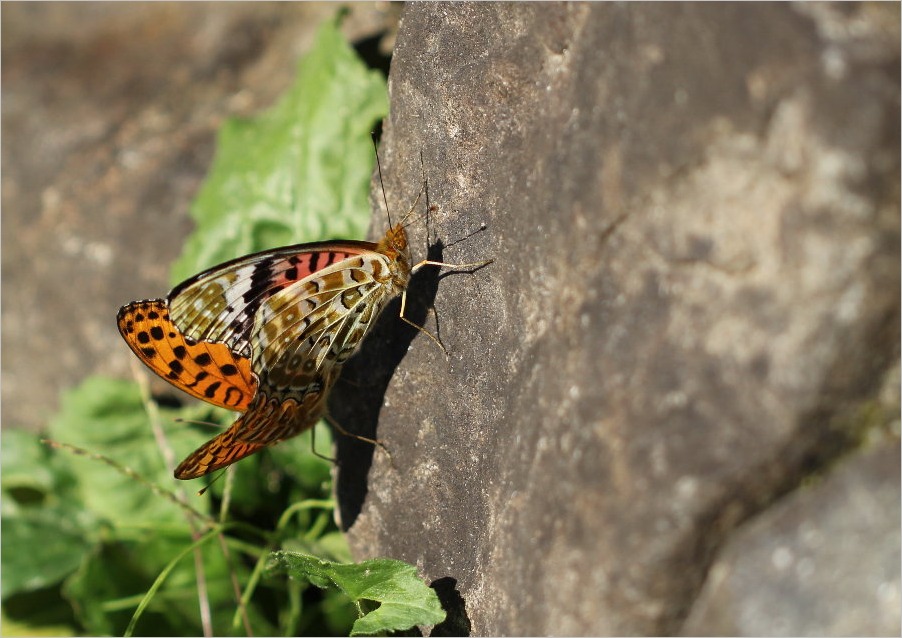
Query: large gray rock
column 823, row 562
column 694, row 212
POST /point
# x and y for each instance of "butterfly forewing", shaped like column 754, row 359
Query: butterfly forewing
column 219, row 304
column 208, row 371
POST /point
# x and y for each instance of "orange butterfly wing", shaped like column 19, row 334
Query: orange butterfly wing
column 267, row 422
column 213, row 373
column 207, row 371
column 222, row 450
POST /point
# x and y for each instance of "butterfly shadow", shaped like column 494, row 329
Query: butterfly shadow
column 357, row 399
column 457, row 621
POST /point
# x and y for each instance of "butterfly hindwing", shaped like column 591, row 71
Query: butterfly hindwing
column 207, row 371
column 220, row 451
column 268, row 420
column 212, row 372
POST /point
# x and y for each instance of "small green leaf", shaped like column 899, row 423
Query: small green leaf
column 298, row 172
column 23, row 459
column 405, row 600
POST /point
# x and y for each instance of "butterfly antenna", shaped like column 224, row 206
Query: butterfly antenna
column 381, row 183
column 201, row 492
column 425, row 190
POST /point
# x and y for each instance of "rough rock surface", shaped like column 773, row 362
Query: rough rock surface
column 694, row 309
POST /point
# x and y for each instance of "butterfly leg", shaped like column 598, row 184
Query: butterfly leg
column 418, row 327
column 414, row 205
column 341, row 430
column 313, row 447
column 474, row 266
column 467, row 267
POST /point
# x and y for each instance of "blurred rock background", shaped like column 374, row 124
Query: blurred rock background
column 109, row 116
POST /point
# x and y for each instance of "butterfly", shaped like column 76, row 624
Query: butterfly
column 291, row 316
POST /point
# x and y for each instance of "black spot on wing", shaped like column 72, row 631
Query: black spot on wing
column 228, row 370
column 203, row 359
column 233, row 396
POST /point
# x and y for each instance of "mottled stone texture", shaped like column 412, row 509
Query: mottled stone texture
column 824, row 561
column 692, row 316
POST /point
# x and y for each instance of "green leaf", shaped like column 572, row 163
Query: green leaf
column 298, row 172
column 107, row 416
column 405, row 600
column 39, row 511
column 61, row 533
